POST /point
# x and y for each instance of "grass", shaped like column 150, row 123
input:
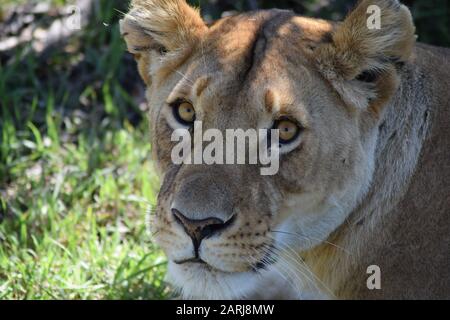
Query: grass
column 76, row 178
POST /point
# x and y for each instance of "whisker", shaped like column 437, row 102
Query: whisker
column 296, row 263
column 296, row 289
column 153, row 234
column 283, row 263
column 312, row 238
column 301, row 263
column 185, row 77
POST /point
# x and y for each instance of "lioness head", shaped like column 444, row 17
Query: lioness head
column 322, row 84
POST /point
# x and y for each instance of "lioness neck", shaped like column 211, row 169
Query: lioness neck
column 400, row 205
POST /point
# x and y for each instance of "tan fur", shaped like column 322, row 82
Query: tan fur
column 355, row 48
column 403, row 224
column 365, row 184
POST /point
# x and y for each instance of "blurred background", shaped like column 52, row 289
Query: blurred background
column 76, row 179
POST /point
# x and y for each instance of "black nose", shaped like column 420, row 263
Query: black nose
column 200, row 229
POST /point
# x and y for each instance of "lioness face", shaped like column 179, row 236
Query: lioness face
column 222, row 226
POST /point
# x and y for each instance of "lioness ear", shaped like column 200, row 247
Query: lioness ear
column 161, row 26
column 360, row 60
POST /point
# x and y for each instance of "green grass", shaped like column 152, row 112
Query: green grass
column 76, row 178
column 78, row 230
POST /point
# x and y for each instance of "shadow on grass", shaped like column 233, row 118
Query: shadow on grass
column 80, row 88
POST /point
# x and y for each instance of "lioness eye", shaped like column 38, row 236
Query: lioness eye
column 184, row 113
column 289, row 130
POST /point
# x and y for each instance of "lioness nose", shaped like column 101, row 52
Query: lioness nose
column 200, row 229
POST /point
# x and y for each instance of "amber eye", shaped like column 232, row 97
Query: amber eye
column 289, row 130
column 184, row 112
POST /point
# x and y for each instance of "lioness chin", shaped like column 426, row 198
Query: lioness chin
column 364, row 173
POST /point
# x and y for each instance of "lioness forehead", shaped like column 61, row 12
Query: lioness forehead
column 252, row 55
column 242, row 43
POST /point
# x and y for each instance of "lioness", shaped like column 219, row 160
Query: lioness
column 364, row 174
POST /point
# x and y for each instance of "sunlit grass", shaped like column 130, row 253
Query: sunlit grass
column 80, row 232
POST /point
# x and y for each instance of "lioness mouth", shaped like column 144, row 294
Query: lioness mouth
column 199, row 262
column 192, row 260
column 262, row 265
